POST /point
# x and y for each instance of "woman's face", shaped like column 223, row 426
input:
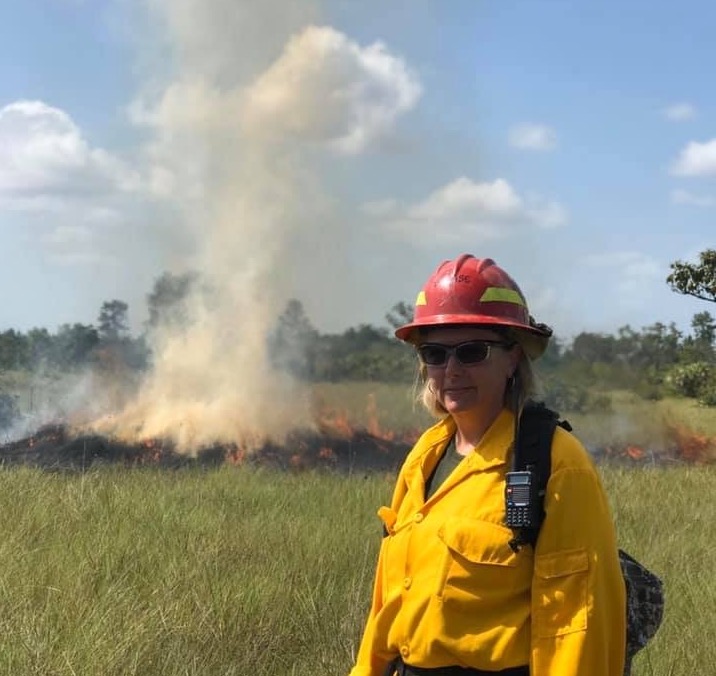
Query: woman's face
column 469, row 387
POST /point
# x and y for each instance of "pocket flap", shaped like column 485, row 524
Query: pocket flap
column 559, row 564
column 388, row 517
column 479, row 541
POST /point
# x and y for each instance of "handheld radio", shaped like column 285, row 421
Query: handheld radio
column 522, row 508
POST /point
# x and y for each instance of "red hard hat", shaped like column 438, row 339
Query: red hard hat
column 471, row 290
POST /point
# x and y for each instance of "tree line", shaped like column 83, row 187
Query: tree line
column 74, row 346
column 654, row 361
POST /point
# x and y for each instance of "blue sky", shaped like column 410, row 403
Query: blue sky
column 575, row 143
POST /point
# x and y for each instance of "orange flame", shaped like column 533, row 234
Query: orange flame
column 691, row 446
column 373, row 426
column 326, row 453
column 235, row 456
column 634, row 452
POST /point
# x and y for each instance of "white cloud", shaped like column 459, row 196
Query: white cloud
column 65, row 234
column 79, row 202
column 678, row 112
column 464, row 197
column 327, row 88
column 547, row 214
column 631, row 271
column 380, row 207
column 685, row 197
column 43, row 154
column 696, row 159
column 466, row 209
column 531, row 136
column 631, row 260
column 323, row 88
column 70, row 245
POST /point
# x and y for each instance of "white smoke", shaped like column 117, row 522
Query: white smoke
column 228, row 149
column 325, row 87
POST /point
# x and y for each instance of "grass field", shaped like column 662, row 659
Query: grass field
column 254, row 572
column 250, row 572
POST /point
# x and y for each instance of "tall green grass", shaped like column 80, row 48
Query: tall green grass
column 249, row 572
column 146, row 572
column 666, row 518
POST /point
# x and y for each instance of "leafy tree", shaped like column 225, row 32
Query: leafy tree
column 40, row 346
column 364, row 336
column 552, row 355
column 13, row 350
column 563, row 396
column 74, row 344
column 117, row 350
column 630, row 360
column 704, row 327
column 167, row 300
column 707, row 396
column 113, row 322
column 293, row 341
column 698, row 280
column 365, row 353
column 659, row 346
column 593, row 347
column 401, row 313
column 690, row 380
column 627, row 344
column 699, row 346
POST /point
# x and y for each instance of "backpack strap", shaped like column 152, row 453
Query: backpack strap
column 532, row 453
column 534, row 430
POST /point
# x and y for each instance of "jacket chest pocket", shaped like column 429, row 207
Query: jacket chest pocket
column 477, row 559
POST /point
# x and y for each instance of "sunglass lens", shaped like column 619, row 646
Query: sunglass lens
column 433, row 355
column 472, row 353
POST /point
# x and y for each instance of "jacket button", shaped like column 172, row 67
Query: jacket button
column 407, row 582
column 419, row 517
column 404, row 650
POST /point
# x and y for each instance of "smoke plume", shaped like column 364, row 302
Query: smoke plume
column 256, row 92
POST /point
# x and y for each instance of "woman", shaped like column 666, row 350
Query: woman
column 451, row 595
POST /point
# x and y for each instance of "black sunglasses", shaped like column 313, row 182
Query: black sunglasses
column 468, row 353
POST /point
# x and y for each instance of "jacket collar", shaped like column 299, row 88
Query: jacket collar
column 492, row 451
column 495, row 444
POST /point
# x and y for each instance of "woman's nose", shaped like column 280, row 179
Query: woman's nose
column 452, row 364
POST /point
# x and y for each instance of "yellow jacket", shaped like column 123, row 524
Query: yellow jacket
column 449, row 590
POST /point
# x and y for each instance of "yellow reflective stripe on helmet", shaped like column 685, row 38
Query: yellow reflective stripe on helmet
column 501, row 295
column 421, row 299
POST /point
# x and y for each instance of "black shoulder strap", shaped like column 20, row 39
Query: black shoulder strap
column 533, row 447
